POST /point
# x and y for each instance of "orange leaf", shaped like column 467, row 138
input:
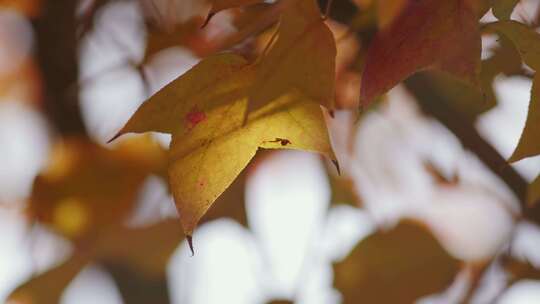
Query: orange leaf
column 427, row 34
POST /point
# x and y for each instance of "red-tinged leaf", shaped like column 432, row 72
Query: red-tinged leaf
column 428, row 34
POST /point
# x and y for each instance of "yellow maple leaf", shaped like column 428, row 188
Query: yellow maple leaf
column 204, row 110
column 303, row 57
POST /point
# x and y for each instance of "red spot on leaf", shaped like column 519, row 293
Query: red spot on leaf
column 194, row 117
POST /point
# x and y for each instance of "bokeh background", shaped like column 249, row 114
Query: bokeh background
column 301, row 217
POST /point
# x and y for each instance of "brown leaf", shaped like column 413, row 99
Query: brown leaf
column 533, row 194
column 502, row 9
column 397, row 266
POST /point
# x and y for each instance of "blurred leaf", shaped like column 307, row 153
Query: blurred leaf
column 86, row 188
column 29, row 8
column 47, row 288
column 466, row 99
column 502, row 9
column 397, row 266
column 343, row 191
column 533, row 195
column 388, row 10
column 527, row 42
column 506, row 60
column 280, row 302
column 520, row 270
column 529, row 143
column 303, row 57
column 219, row 5
column 204, row 110
column 144, row 249
column 22, row 83
column 187, row 34
column 428, row 34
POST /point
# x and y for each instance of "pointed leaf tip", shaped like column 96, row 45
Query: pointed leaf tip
column 336, row 164
column 189, row 239
column 207, row 20
column 115, row 136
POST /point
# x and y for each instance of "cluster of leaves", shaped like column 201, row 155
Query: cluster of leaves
column 229, row 105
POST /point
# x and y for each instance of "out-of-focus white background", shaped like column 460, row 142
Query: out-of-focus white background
column 295, row 235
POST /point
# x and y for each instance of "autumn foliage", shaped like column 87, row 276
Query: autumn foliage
column 277, row 81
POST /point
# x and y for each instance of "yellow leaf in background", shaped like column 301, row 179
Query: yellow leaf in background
column 86, row 188
column 527, row 43
column 533, row 195
column 502, row 9
column 303, row 57
column 397, row 266
column 48, row 287
column 204, row 110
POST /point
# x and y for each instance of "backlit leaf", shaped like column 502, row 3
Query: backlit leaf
column 204, row 110
column 428, row 34
column 397, row 266
column 303, row 57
